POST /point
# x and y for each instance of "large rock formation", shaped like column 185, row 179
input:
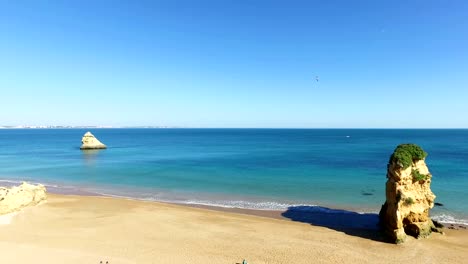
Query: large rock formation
column 15, row 198
column 90, row 142
column 408, row 195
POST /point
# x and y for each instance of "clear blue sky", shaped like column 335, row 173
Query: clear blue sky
column 234, row 63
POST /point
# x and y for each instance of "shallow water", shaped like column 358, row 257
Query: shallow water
column 245, row 168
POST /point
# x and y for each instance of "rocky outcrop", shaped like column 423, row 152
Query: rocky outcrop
column 408, row 195
column 90, row 142
column 15, row 198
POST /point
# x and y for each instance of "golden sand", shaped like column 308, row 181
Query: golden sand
column 83, row 229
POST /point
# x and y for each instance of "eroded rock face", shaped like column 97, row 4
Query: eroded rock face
column 15, row 198
column 90, row 142
column 408, row 196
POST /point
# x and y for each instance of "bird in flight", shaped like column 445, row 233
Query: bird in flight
column 317, row 78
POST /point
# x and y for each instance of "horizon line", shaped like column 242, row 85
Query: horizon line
column 182, row 127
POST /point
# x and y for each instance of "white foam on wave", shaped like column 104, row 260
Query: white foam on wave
column 13, row 182
column 449, row 219
column 260, row 205
column 263, row 205
column 257, row 205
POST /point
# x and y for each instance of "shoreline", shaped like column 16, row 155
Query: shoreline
column 306, row 213
column 89, row 229
column 366, row 221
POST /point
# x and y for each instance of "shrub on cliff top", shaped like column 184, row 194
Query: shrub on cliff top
column 405, row 154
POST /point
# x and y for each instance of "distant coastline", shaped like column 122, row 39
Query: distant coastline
column 79, row 127
column 186, row 127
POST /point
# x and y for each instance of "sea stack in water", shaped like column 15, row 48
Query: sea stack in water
column 17, row 197
column 408, row 195
column 90, row 142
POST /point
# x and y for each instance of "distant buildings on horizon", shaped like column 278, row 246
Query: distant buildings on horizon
column 71, row 127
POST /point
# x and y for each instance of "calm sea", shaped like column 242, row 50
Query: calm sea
column 245, row 168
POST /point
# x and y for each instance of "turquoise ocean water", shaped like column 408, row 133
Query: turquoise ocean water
column 245, row 168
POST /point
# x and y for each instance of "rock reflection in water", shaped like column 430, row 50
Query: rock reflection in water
column 90, row 156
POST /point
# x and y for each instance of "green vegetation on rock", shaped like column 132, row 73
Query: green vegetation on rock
column 409, row 201
column 417, row 176
column 406, row 154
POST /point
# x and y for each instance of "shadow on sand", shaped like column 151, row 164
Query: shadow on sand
column 364, row 225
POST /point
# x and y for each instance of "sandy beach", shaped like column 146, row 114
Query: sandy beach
column 233, row 132
column 85, row 229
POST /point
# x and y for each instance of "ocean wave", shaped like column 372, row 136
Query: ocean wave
column 238, row 204
column 52, row 188
column 270, row 206
column 13, row 182
column 449, row 219
column 259, row 205
column 263, row 205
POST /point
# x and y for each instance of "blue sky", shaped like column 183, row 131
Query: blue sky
column 235, row 63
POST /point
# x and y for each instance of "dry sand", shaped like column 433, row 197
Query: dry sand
column 83, row 229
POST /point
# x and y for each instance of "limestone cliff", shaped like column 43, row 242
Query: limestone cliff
column 90, row 142
column 15, row 198
column 408, row 195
